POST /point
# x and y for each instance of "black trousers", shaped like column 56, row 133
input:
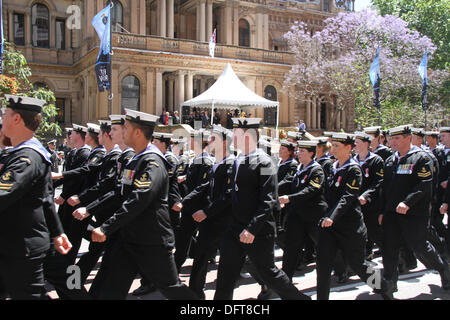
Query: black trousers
column 88, row 261
column 56, row 273
column 183, row 238
column 412, row 231
column 261, row 255
column 208, row 241
column 23, row 278
column 155, row 263
column 105, row 266
column 75, row 233
column 297, row 232
column 374, row 230
column 352, row 245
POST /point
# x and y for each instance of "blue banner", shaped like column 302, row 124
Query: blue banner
column 102, row 24
column 375, row 79
column 424, row 75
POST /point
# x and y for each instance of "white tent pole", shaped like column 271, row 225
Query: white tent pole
column 278, row 115
column 212, row 111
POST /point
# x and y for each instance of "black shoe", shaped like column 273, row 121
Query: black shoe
column 387, row 289
column 342, row 277
column 445, row 278
column 266, row 293
column 143, row 290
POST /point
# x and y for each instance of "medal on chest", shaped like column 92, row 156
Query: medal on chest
column 367, row 173
column 304, row 179
column 338, row 182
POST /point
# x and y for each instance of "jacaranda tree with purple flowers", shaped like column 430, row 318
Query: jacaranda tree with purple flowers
column 333, row 64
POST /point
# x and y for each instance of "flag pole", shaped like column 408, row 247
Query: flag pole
column 111, row 95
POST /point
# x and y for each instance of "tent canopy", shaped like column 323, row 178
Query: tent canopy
column 229, row 92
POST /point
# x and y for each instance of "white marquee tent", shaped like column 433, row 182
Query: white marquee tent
column 228, row 92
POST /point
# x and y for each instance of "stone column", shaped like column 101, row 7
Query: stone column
column 150, row 93
column 266, row 32
column 314, row 113
column 319, row 114
column 189, row 86
column 116, row 103
column 85, row 106
column 202, row 85
column 344, row 120
column 259, row 30
column 27, row 27
column 202, row 21
column 338, row 120
column 162, row 17
column 308, row 112
column 228, row 24
column 170, row 22
column 142, row 18
column 11, row 26
column 170, row 97
column 179, row 96
column 236, row 24
column 209, row 19
column 158, row 91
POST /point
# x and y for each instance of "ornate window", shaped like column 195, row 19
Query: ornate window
column 270, row 114
column 40, row 26
column 116, row 16
column 131, row 91
column 19, row 30
column 244, row 33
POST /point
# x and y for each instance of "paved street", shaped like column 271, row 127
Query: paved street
column 418, row 284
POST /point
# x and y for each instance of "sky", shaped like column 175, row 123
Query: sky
column 361, row 4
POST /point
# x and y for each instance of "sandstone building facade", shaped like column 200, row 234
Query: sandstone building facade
column 161, row 55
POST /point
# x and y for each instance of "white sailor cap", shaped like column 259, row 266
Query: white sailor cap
column 1, row 122
column 444, row 129
column 295, row 135
column 68, row 130
column 162, row 136
column 309, row 145
column 267, row 138
column 432, row 133
column 25, row 103
column 222, row 130
column 405, row 129
column 363, row 136
column 79, row 128
column 93, row 128
column 141, row 117
column 321, row 140
column 246, row 123
column 418, row 132
column 105, row 124
column 376, row 130
column 264, row 143
column 288, row 144
column 117, row 119
column 328, row 134
column 52, row 141
column 343, row 137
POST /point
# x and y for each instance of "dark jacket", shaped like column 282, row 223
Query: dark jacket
column 307, row 194
column 254, row 194
column 143, row 218
column 408, row 179
column 27, row 210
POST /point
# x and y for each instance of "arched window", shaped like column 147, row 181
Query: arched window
column 326, row 5
column 270, row 114
column 116, row 16
column 40, row 26
column 38, row 85
column 244, row 33
column 131, row 91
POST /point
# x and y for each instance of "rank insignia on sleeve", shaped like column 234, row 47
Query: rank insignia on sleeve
column 424, row 173
column 143, row 181
column 6, row 176
column 26, row 160
column 204, row 176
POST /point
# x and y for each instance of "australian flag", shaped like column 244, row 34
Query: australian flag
column 375, row 78
column 102, row 24
column 423, row 74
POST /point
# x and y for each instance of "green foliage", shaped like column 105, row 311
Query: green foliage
column 15, row 65
column 430, row 18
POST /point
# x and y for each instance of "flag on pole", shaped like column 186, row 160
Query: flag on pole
column 102, row 24
column 375, row 78
column 423, row 74
column 2, row 39
column 212, row 44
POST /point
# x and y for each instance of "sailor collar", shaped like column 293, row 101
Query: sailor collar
column 346, row 164
column 34, row 144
